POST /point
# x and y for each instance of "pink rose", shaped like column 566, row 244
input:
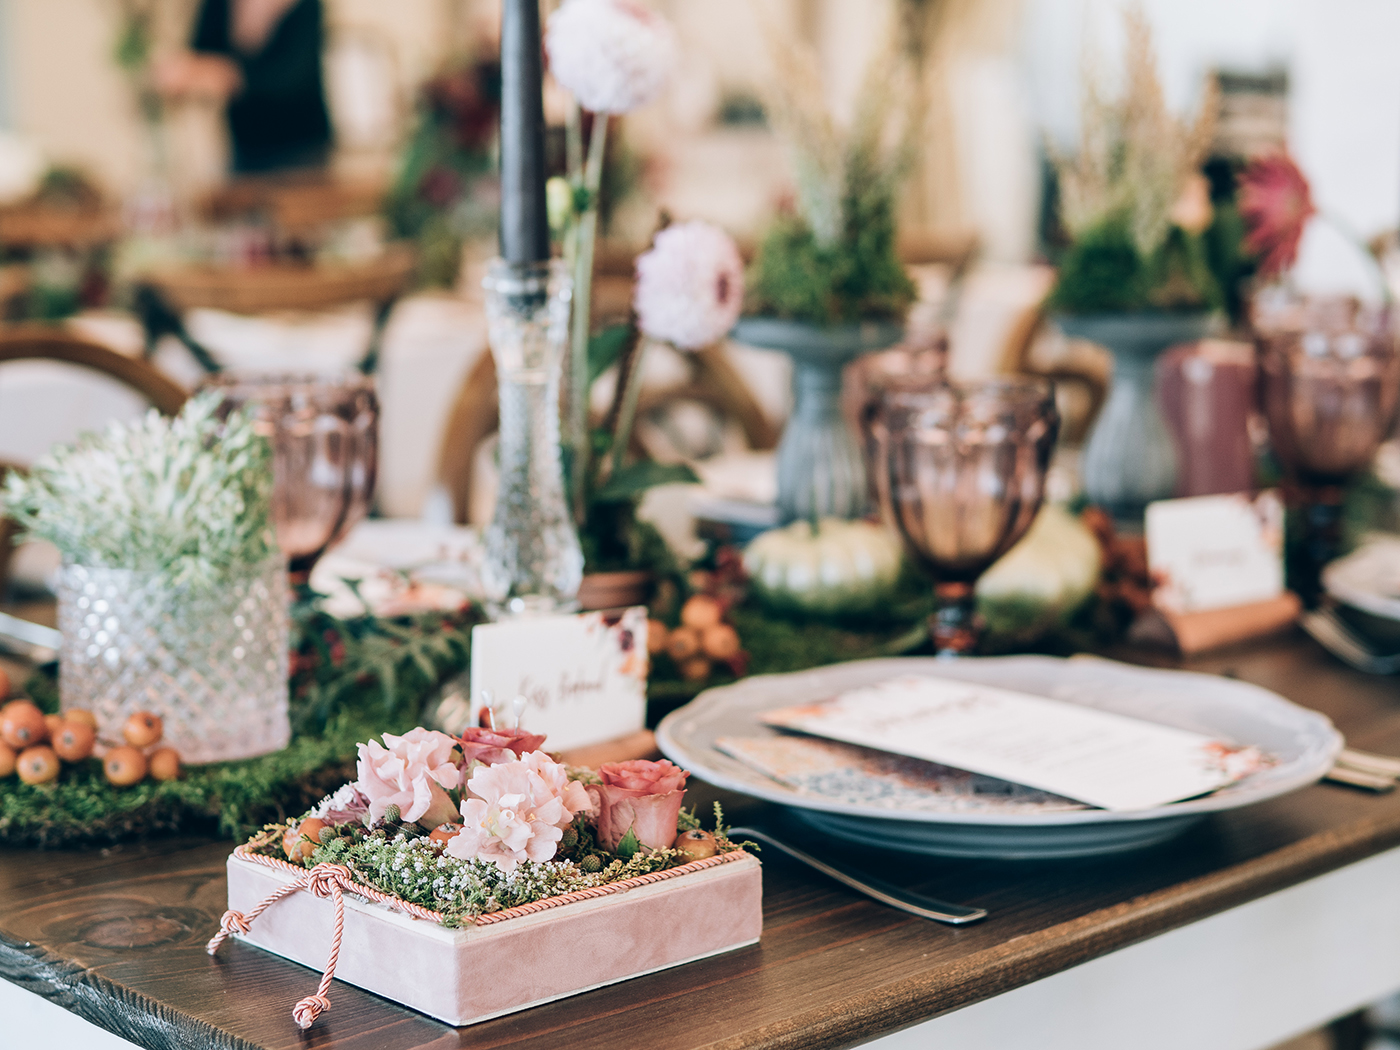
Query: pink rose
column 497, row 745
column 411, row 773
column 517, row 810
column 640, row 795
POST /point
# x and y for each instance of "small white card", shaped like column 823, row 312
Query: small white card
column 583, row 677
column 1093, row 756
column 1214, row 552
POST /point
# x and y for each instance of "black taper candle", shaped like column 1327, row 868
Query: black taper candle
column 524, row 221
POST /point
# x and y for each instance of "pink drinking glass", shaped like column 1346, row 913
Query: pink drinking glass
column 960, row 473
column 325, row 441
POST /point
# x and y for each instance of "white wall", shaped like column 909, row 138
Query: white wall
column 1343, row 57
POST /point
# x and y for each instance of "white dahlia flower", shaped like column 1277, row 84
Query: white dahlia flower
column 690, row 286
column 614, row 55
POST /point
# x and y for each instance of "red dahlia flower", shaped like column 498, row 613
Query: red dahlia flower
column 1275, row 203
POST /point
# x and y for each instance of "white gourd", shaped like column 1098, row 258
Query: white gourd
column 841, row 567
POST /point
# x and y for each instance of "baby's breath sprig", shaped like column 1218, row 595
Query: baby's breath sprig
column 189, row 498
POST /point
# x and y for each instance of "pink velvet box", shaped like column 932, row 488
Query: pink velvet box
column 515, row 959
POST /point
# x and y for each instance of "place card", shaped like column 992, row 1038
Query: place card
column 1215, row 552
column 582, row 678
column 1104, row 759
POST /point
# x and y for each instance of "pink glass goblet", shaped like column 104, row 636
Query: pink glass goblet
column 961, row 474
column 1329, row 383
column 325, row 442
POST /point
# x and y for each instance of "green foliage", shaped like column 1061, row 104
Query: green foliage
column 232, row 798
column 188, row 498
column 629, row 846
column 1102, row 271
column 614, row 538
column 605, row 348
column 859, row 277
column 371, row 663
column 633, row 480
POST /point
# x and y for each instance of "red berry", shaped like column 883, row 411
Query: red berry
column 124, row 766
column 37, row 765
column 143, row 729
column 22, row 725
column 74, row 740
column 301, row 840
column 165, row 764
column 77, row 714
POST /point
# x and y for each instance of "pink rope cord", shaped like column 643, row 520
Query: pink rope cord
column 335, row 880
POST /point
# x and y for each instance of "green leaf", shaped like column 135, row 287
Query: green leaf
column 630, row 844
column 605, row 348
column 636, row 478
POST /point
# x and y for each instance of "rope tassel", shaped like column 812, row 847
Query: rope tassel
column 324, row 880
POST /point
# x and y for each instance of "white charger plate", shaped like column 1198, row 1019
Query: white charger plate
column 1304, row 744
column 1368, row 578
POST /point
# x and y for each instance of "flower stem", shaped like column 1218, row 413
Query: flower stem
column 582, row 305
column 622, row 435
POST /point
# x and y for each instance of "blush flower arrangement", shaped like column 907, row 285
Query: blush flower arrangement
column 471, row 825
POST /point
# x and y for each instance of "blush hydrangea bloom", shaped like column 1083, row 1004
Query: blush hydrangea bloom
column 690, row 286
column 614, row 55
column 517, row 810
column 410, row 772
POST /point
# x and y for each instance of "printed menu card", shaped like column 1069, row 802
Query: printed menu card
column 1107, row 760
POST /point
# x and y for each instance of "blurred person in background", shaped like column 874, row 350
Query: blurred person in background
column 263, row 59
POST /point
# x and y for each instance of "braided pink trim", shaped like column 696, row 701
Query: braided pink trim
column 245, row 852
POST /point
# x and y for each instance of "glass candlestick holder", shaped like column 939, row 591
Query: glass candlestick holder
column 534, row 563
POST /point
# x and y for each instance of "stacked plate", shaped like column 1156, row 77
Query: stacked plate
column 999, row 820
column 1366, row 584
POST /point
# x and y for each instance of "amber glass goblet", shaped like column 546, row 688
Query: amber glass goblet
column 325, row 442
column 1330, row 376
column 961, row 474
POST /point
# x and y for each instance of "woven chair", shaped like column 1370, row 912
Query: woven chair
column 713, row 382
column 44, row 343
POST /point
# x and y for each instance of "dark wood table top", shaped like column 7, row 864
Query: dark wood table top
column 118, row 935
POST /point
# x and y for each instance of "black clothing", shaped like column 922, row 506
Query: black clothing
column 279, row 118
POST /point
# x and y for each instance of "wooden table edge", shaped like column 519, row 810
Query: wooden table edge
column 1031, row 957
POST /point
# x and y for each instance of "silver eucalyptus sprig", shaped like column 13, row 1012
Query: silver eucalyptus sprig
column 189, row 497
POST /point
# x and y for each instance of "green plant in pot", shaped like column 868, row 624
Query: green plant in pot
column 826, row 284
column 1135, row 275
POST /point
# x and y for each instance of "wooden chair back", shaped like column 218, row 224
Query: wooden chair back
column 714, row 381
column 46, row 343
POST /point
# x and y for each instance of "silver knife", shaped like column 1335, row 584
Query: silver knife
column 894, row 896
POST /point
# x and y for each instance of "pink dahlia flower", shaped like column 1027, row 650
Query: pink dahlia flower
column 614, row 55
column 411, row 773
column 1276, row 204
column 480, row 744
column 642, row 796
column 517, row 810
column 690, row 285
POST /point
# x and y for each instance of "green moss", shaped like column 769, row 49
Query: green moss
column 1103, row 272
column 857, row 278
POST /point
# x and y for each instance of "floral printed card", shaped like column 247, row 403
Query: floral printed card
column 582, row 678
column 1103, row 759
column 860, row 776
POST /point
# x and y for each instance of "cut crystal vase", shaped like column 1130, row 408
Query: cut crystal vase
column 534, row 563
column 210, row 661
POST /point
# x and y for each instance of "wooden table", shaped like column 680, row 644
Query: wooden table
column 117, row 936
